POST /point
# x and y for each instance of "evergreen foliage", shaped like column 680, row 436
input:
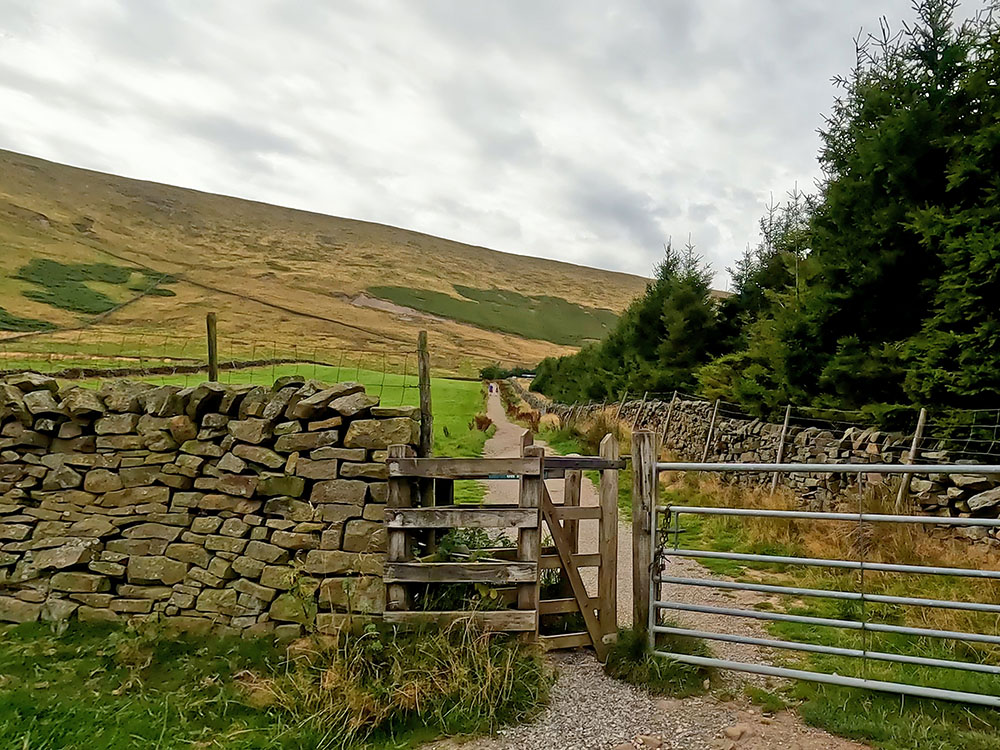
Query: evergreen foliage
column 659, row 341
column 883, row 287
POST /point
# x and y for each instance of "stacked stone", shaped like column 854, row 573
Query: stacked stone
column 227, row 508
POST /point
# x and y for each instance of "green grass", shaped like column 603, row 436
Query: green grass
column 884, row 720
column 630, row 661
column 90, row 289
column 11, row 322
column 770, row 703
column 543, row 317
column 100, row 688
column 567, row 440
column 104, row 688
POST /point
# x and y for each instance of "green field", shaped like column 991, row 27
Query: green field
column 533, row 317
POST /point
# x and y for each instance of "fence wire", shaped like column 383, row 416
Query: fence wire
column 166, row 359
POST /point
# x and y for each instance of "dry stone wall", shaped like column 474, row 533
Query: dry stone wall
column 748, row 440
column 216, row 508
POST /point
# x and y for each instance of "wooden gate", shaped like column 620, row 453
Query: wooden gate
column 421, row 507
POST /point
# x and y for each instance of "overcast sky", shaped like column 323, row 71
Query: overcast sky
column 579, row 130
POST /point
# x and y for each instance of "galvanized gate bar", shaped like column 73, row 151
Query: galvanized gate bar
column 833, row 468
column 821, row 516
column 900, row 688
column 853, row 596
column 847, row 564
column 832, row 650
column 663, row 550
column 874, row 627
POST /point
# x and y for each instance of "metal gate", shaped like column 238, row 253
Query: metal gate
column 666, row 532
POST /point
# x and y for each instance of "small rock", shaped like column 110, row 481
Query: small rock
column 737, row 732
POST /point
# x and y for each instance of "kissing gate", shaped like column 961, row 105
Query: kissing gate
column 421, row 507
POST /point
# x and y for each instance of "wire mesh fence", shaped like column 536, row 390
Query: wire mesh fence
column 948, row 436
column 165, row 359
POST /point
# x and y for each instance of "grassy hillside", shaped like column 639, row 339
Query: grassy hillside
column 125, row 258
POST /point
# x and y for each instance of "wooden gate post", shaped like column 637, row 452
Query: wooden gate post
column 398, row 547
column 529, row 541
column 607, row 575
column 645, row 495
column 572, row 487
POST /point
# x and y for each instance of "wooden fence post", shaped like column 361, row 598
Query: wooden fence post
column 529, row 541
column 621, row 404
column 638, row 411
column 904, row 486
column 666, row 423
column 213, row 347
column 711, row 429
column 607, row 574
column 781, row 447
column 645, row 492
column 424, row 381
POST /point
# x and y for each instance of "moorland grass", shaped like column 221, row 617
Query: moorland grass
column 17, row 324
column 536, row 317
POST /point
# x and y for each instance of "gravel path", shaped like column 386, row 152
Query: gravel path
column 590, row 711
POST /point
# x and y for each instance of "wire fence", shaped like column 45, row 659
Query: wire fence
column 948, row 435
column 165, row 359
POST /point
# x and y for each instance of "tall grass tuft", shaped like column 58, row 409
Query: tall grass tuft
column 458, row 679
column 630, row 660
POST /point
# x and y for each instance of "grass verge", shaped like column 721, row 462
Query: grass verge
column 103, row 687
column 567, row 440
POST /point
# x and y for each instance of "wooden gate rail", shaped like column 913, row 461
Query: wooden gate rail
column 515, row 570
column 403, row 521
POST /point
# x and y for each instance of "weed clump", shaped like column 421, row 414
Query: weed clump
column 459, row 679
column 631, row 661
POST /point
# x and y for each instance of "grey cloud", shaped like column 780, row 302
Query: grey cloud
column 586, row 131
column 235, row 136
column 614, row 210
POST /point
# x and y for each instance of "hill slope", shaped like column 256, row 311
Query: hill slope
column 75, row 244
